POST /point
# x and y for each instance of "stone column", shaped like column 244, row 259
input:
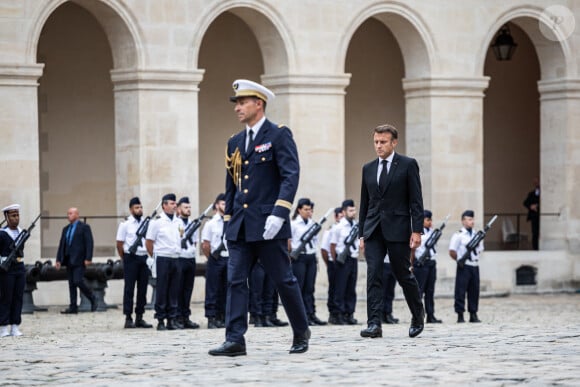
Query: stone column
column 444, row 125
column 19, row 151
column 156, row 135
column 312, row 106
column 560, row 165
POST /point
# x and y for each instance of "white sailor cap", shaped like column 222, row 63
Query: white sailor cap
column 11, row 207
column 245, row 88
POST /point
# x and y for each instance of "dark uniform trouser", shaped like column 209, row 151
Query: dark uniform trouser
column 261, row 292
column 330, row 271
column 426, row 276
column 535, row 220
column 345, row 285
column 76, row 280
column 389, row 283
column 12, row 285
column 467, row 280
column 187, row 268
column 216, row 282
column 168, row 282
column 135, row 270
column 274, row 258
column 304, row 268
column 376, row 247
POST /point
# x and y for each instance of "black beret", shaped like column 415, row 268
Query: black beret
column 134, row 201
column 184, row 199
column 304, row 202
column 221, row 196
column 169, row 196
column 337, row 210
column 427, row 214
column 468, row 213
column 347, row 203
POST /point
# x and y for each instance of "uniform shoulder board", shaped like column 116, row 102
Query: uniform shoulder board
column 232, row 135
column 158, row 217
column 281, row 125
column 459, row 231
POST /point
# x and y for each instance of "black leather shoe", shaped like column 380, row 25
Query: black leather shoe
column 336, row 319
column 460, row 318
column 373, row 331
column 229, row 348
column 188, row 324
column 94, row 304
column 258, row 322
column 390, row 319
column 277, row 322
column 161, row 326
column 267, row 321
column 172, row 324
column 69, row 311
column 433, row 320
column 416, row 327
column 212, row 323
column 252, row 319
column 140, row 323
column 314, row 319
column 129, row 324
column 300, row 342
column 350, row 320
column 473, row 318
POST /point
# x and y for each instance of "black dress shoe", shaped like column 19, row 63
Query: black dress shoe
column 389, row 319
column 140, row 323
column 229, row 348
column 188, row 324
column 212, row 323
column 277, row 322
column 350, row 320
column 433, row 320
column 473, row 318
column 267, row 322
column 416, row 327
column 129, row 324
column 300, row 342
column 69, row 311
column 314, row 319
column 252, row 319
column 172, row 324
column 161, row 326
column 336, row 319
column 258, row 322
column 460, row 318
column 373, row 331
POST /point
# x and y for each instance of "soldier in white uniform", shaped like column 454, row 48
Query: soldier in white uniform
column 330, row 268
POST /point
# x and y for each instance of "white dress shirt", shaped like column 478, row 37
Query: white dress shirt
column 213, row 232
column 342, row 229
column 459, row 240
column 164, row 232
column 127, row 233
column 298, row 229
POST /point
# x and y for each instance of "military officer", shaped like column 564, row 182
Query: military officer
column 261, row 182
column 135, row 270
column 467, row 277
column 12, row 282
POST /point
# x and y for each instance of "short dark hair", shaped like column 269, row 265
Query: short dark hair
column 386, row 128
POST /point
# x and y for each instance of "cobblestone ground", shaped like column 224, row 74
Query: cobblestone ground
column 523, row 339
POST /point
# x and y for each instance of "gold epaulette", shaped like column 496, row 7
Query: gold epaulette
column 234, row 165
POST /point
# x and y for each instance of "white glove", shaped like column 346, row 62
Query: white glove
column 273, row 225
column 152, row 266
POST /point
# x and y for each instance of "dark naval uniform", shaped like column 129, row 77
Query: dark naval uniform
column 260, row 182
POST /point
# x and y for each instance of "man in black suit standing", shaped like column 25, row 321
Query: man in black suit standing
column 532, row 203
column 75, row 251
column 391, row 221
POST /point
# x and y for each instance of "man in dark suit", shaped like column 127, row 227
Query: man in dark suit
column 75, row 251
column 391, row 221
column 532, row 203
column 261, row 182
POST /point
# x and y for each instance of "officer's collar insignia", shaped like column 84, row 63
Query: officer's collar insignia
column 263, row 147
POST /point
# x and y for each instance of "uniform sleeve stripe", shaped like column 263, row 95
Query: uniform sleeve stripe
column 227, row 218
column 283, row 203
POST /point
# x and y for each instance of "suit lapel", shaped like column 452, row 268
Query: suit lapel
column 392, row 172
column 373, row 186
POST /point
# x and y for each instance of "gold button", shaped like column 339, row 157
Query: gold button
column 246, row 177
column 246, row 191
column 263, row 159
column 246, row 162
column 245, row 205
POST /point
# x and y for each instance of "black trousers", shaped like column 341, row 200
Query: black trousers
column 216, row 282
column 261, row 292
column 376, row 247
column 389, row 283
column 76, row 280
column 426, row 277
column 535, row 221
column 168, row 282
column 330, row 271
column 467, row 280
column 12, row 284
column 187, row 267
column 135, row 271
column 304, row 268
column 345, row 275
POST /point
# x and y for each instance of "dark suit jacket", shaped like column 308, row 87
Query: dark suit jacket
column 81, row 248
column 399, row 210
column 532, row 198
column 269, row 180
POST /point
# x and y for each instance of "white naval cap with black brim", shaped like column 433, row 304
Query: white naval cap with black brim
column 246, row 88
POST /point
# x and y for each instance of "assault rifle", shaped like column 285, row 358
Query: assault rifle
column 17, row 247
column 431, row 242
column 193, row 226
column 218, row 252
column 142, row 231
column 307, row 237
column 474, row 242
column 348, row 243
column 2, row 223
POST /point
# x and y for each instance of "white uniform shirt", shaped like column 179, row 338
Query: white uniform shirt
column 342, row 229
column 191, row 250
column 213, row 232
column 325, row 242
column 164, row 233
column 298, row 229
column 421, row 249
column 458, row 242
column 127, row 233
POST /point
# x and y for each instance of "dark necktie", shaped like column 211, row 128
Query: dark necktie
column 251, row 133
column 383, row 177
column 69, row 235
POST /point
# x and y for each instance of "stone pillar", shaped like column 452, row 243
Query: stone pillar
column 19, row 152
column 444, row 125
column 318, row 130
column 560, row 165
column 156, row 135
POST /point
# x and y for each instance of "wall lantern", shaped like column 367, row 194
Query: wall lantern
column 504, row 45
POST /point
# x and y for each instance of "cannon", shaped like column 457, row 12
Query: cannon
column 32, row 276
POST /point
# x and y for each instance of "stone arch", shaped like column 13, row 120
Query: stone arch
column 266, row 23
column 410, row 31
column 117, row 21
column 556, row 58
